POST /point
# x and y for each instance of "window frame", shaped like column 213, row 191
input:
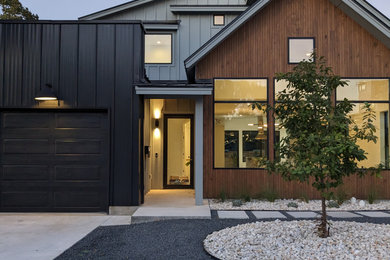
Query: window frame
column 159, row 33
column 298, row 38
column 224, row 22
column 335, row 102
column 266, row 102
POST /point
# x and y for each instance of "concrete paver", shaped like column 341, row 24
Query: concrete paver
column 236, row 214
column 303, row 214
column 342, row 214
column 374, row 214
column 268, row 214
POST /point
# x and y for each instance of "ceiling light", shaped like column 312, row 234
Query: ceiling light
column 251, row 124
column 46, row 93
column 158, row 42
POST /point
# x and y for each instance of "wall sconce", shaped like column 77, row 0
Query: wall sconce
column 156, row 123
column 46, row 93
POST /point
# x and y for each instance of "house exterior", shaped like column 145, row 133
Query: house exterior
column 165, row 102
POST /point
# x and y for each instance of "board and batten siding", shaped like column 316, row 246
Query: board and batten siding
column 91, row 65
column 194, row 30
column 259, row 49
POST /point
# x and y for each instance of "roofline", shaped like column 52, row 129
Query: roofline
column 224, row 33
column 190, row 9
column 71, row 22
column 114, row 9
column 360, row 11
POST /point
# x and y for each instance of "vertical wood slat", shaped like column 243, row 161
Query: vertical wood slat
column 2, row 61
column 259, row 49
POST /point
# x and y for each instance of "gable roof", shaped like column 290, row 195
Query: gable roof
column 114, row 9
column 359, row 10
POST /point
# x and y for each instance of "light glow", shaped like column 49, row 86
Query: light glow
column 157, row 133
column 157, row 113
column 45, row 98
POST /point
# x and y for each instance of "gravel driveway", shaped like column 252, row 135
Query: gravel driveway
column 170, row 239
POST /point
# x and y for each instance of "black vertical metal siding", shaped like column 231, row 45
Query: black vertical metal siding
column 91, row 65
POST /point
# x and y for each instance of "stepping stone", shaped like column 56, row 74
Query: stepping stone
column 342, row 214
column 226, row 214
column 303, row 214
column 268, row 214
column 374, row 214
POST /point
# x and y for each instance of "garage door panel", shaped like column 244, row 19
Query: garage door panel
column 63, row 167
column 79, row 173
column 78, row 147
column 26, row 146
column 79, row 121
column 25, row 199
column 77, row 199
column 25, row 172
column 24, row 120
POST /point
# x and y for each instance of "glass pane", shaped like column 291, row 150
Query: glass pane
column 179, row 151
column 240, row 90
column 300, row 49
column 364, row 90
column 376, row 152
column 158, row 48
column 219, row 20
column 238, row 123
column 254, row 146
column 231, row 149
column 280, row 86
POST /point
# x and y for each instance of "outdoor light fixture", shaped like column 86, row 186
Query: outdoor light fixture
column 46, row 93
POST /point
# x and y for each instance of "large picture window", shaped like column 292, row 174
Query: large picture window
column 158, row 48
column 240, row 132
column 376, row 93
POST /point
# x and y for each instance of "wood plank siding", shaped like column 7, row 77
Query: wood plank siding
column 259, row 49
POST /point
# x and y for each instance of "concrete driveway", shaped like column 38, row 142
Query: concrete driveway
column 44, row 235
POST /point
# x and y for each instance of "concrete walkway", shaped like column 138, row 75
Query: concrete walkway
column 171, row 204
column 45, row 236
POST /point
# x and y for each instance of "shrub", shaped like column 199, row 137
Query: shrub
column 341, row 196
column 333, row 204
column 222, row 196
column 372, row 196
column 270, row 195
column 292, row 205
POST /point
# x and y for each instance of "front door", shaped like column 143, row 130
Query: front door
column 178, row 152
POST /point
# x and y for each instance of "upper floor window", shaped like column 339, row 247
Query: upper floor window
column 300, row 49
column 158, row 48
column 219, row 19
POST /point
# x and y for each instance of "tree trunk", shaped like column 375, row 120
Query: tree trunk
column 323, row 227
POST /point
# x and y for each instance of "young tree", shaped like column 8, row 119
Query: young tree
column 321, row 141
column 14, row 10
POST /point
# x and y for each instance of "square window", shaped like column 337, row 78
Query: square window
column 158, row 48
column 219, row 19
column 300, row 49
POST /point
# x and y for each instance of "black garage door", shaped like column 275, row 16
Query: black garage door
column 54, row 161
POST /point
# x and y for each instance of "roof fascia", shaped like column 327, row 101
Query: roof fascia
column 186, row 9
column 115, row 9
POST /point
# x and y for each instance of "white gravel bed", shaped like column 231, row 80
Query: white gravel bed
column 313, row 205
column 298, row 240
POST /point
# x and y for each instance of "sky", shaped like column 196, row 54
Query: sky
column 73, row 9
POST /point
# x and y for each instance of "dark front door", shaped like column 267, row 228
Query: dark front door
column 178, row 151
column 54, row 161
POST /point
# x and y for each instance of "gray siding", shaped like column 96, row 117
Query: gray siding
column 194, row 30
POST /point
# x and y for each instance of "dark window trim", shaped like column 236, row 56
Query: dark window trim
column 297, row 38
column 224, row 17
column 335, row 94
column 213, row 112
column 165, row 152
column 160, row 33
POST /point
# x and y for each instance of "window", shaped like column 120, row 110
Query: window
column 219, row 19
column 300, row 49
column 375, row 92
column 240, row 132
column 158, row 48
